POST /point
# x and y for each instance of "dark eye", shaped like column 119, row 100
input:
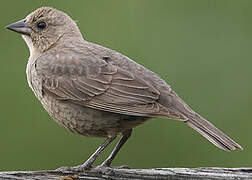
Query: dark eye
column 41, row 25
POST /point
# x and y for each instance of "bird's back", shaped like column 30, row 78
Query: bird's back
column 168, row 100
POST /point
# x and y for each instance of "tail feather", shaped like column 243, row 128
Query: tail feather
column 214, row 135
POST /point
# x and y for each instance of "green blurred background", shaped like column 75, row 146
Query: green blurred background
column 202, row 48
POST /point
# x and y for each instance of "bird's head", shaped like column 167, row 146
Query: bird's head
column 44, row 27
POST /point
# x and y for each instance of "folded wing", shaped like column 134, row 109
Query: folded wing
column 102, row 86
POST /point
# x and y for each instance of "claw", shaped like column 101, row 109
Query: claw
column 104, row 167
column 80, row 168
column 123, row 167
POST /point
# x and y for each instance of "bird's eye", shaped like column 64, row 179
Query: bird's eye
column 41, row 25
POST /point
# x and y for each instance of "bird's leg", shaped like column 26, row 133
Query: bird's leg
column 109, row 160
column 93, row 157
column 88, row 163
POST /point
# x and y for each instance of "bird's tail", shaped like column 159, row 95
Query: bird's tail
column 214, row 135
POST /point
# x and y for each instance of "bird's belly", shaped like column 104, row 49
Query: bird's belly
column 87, row 121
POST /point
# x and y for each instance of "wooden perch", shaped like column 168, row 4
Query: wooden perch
column 209, row 173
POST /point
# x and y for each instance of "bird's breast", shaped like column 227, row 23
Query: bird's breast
column 33, row 79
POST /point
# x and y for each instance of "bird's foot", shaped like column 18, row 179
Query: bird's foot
column 105, row 168
column 123, row 167
column 80, row 168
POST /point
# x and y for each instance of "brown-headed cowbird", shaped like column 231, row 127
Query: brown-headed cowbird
column 95, row 91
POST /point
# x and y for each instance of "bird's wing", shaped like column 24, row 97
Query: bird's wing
column 100, row 85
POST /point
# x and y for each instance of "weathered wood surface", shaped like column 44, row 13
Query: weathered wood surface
column 207, row 173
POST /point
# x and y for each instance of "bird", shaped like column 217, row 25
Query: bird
column 94, row 91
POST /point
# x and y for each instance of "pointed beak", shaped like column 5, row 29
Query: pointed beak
column 20, row 27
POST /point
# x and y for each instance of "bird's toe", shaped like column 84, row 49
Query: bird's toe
column 79, row 168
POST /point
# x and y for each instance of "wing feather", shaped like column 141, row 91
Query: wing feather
column 100, row 85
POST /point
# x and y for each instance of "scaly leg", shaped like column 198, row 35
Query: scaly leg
column 88, row 164
column 109, row 160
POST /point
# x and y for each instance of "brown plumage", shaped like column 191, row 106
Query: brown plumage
column 95, row 91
